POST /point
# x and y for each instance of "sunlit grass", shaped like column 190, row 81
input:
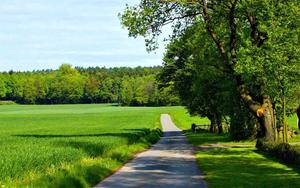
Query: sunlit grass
column 78, row 145
column 292, row 122
column 181, row 117
column 71, row 145
column 236, row 164
column 244, row 167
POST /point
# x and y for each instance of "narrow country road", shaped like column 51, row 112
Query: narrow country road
column 168, row 164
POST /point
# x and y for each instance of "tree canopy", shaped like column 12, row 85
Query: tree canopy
column 68, row 85
column 254, row 44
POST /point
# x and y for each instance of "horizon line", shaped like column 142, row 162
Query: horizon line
column 80, row 67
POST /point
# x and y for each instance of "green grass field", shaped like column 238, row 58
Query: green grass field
column 71, row 145
column 79, row 145
column 238, row 165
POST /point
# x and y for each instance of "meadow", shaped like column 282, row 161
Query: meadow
column 72, row 145
column 79, row 145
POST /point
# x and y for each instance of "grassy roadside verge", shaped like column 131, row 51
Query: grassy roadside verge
column 236, row 164
column 89, row 171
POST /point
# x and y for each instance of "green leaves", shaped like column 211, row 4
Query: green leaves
column 267, row 33
column 149, row 17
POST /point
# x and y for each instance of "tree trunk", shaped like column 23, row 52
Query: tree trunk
column 220, row 126
column 264, row 113
column 211, row 128
column 298, row 114
column 266, row 121
column 213, row 123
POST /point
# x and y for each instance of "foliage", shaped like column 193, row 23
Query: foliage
column 2, row 88
column 184, row 120
column 140, row 91
column 254, row 43
column 67, row 85
column 7, row 103
column 196, row 80
column 242, row 125
column 191, row 67
column 283, row 151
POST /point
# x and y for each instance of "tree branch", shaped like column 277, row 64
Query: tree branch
column 258, row 38
column 233, row 32
column 213, row 34
column 170, row 20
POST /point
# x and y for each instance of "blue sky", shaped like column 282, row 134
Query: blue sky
column 39, row 34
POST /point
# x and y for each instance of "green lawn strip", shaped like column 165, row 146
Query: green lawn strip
column 295, row 139
column 292, row 122
column 181, row 117
column 51, row 146
column 236, row 164
column 244, row 167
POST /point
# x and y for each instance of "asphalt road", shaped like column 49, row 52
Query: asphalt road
column 168, row 164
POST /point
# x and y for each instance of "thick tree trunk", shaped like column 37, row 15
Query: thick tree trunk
column 267, row 122
column 266, row 119
column 265, row 115
column 216, row 123
column 213, row 123
column 298, row 114
column 212, row 126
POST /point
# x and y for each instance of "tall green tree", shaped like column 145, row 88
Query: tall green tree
column 239, row 30
column 30, row 92
column 66, row 86
column 91, row 89
column 192, row 67
column 2, row 87
column 14, row 86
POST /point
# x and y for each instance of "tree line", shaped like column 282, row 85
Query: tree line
column 68, row 85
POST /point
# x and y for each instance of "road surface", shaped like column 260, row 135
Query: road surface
column 168, row 164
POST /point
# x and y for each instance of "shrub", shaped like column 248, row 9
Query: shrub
column 242, row 126
column 7, row 102
column 283, row 151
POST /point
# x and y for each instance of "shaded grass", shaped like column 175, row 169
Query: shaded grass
column 237, row 167
column 71, row 145
column 243, row 167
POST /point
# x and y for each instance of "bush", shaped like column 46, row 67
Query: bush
column 7, row 102
column 284, row 152
column 242, row 126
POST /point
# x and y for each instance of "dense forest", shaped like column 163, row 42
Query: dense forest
column 68, row 85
